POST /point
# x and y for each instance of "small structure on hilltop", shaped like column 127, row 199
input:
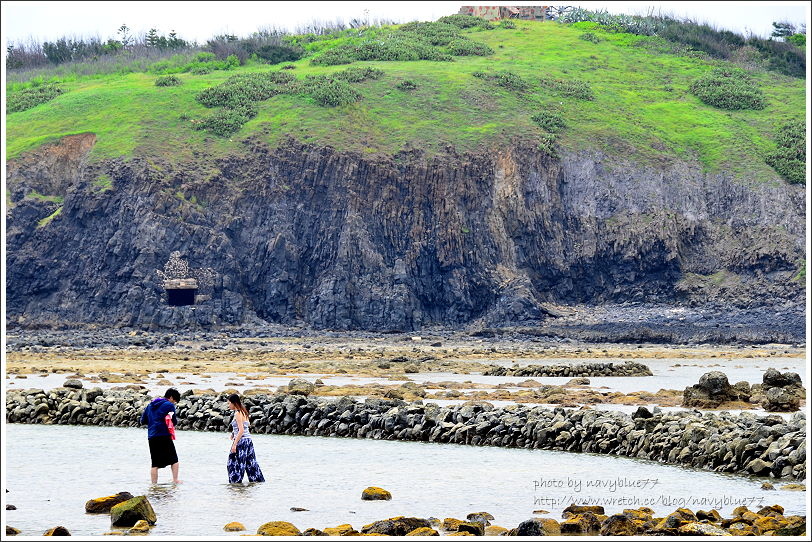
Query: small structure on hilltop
column 528, row 13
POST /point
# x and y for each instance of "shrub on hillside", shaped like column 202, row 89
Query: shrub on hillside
column 205, row 57
column 460, row 47
column 241, row 90
column 167, row 81
column 589, row 36
column 728, row 88
column 274, row 54
column 433, row 33
column 197, row 68
column 331, row 92
column 406, row 84
column 225, row 122
column 570, row 88
column 789, row 160
column 549, row 121
column 31, row 97
column 356, row 75
column 466, row 21
column 507, row 24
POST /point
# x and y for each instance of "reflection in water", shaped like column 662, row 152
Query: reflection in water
column 46, row 466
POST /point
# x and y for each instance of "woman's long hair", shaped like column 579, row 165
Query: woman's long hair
column 234, row 399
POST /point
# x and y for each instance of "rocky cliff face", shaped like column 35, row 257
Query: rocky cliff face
column 308, row 234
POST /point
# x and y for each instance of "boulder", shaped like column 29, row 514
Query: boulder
column 73, row 383
column 576, row 509
column 312, row 532
column 373, row 493
column 12, row 531
column 300, row 386
column 495, row 530
column 538, row 527
column 712, row 390
column 423, row 531
column 451, row 524
column 341, row 530
column 102, row 505
column 775, row 379
column 140, row 526
column 701, row 529
column 780, row 400
column 782, row 391
column 397, row 526
column 482, row 517
column 476, row 528
column 234, row 526
column 127, row 513
column 711, row 515
column 57, row 531
column 278, row 528
column 618, row 525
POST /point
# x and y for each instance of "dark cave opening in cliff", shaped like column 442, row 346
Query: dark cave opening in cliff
column 178, row 297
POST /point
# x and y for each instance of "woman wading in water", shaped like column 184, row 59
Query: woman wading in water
column 242, row 458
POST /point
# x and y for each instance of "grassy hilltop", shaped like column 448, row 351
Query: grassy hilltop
column 568, row 86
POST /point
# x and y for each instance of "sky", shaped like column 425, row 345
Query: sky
column 198, row 21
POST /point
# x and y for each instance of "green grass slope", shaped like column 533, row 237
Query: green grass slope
column 642, row 107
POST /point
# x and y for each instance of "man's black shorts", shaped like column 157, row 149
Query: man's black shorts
column 162, row 451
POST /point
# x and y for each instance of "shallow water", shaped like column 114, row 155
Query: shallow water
column 52, row 470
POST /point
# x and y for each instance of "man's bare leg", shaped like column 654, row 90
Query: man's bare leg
column 175, row 467
column 153, row 473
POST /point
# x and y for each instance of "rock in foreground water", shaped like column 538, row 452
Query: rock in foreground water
column 102, row 505
column 373, row 493
column 128, row 513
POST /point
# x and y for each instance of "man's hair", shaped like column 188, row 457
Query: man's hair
column 172, row 393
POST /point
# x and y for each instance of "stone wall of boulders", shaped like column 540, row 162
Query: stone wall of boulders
column 627, row 368
column 723, row 442
column 778, row 392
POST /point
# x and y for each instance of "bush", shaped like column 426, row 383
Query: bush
column 288, row 67
column 225, row 122
column 31, row 97
column 231, row 62
column 274, row 54
column 789, row 160
column 167, row 81
column 728, row 88
column 406, row 84
column 201, row 69
column 205, row 57
column 331, row 92
column 589, row 36
column 465, row 21
column 506, row 79
column 798, row 40
column 434, row 33
column 507, row 24
column 356, row 75
column 461, row 47
column 549, row 121
column 572, row 88
column 411, row 41
column 241, row 90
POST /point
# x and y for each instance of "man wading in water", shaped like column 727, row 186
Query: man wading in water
column 160, row 418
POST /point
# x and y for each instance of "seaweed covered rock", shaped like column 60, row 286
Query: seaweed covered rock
column 397, row 526
column 102, row 505
column 373, row 493
column 278, row 528
column 127, row 513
